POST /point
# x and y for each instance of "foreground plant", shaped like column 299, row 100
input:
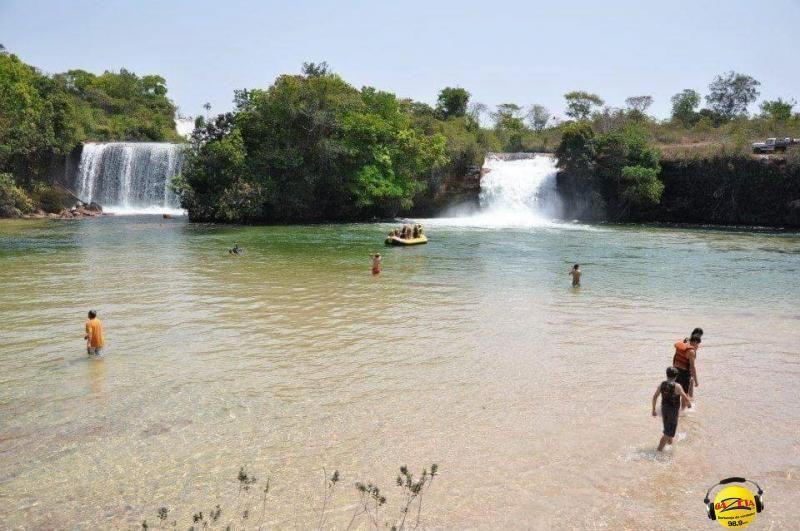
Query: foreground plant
column 370, row 501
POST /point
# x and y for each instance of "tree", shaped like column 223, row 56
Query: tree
column 638, row 105
column 476, row 112
column 315, row 69
column 730, row 94
column 778, row 110
column 452, row 102
column 538, row 116
column 580, row 104
column 576, row 151
column 310, row 148
column 684, row 104
column 508, row 122
column 642, row 187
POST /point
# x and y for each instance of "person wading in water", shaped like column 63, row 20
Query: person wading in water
column 671, row 394
column 94, row 335
column 684, row 361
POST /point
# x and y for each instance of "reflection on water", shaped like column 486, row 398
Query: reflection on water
column 96, row 375
column 472, row 351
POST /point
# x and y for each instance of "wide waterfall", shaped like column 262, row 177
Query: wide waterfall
column 129, row 177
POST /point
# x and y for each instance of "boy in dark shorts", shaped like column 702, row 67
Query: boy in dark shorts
column 671, row 394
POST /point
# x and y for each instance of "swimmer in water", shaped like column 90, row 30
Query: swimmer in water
column 376, row 263
column 672, row 394
column 236, row 249
column 575, row 273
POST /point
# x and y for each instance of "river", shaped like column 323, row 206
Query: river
column 472, row 352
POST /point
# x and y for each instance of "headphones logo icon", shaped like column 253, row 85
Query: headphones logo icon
column 734, row 505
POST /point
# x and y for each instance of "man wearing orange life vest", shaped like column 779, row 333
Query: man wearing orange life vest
column 684, row 360
column 94, row 335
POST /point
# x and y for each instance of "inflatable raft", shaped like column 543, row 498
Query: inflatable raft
column 394, row 240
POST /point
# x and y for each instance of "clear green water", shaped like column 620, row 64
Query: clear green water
column 472, row 351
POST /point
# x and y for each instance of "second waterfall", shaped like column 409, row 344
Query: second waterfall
column 129, row 176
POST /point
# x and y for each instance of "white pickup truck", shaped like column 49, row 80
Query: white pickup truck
column 774, row 145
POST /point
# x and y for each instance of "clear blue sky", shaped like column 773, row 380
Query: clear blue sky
column 502, row 51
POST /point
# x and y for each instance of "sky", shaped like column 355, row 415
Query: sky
column 523, row 51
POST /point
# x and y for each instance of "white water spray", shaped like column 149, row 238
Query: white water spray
column 130, row 177
column 517, row 190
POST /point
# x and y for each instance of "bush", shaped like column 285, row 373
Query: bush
column 48, row 198
column 13, row 200
column 642, row 187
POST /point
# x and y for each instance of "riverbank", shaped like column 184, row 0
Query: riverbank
column 724, row 190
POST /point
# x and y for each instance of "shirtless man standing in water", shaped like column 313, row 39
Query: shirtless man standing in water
column 575, row 272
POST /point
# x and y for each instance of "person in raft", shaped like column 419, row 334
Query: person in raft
column 376, row 263
column 407, row 232
column 575, row 273
column 684, row 361
column 672, row 394
column 94, row 335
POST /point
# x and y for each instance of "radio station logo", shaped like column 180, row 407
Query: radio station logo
column 735, row 505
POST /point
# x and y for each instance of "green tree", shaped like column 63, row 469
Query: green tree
column 538, row 117
column 580, row 104
column 576, row 151
column 731, row 94
column 777, row 110
column 309, row 148
column 638, row 105
column 684, row 104
column 642, row 188
column 508, row 123
column 452, row 102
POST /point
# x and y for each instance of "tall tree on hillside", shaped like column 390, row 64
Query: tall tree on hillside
column 684, row 104
column 638, row 105
column 315, row 69
column 507, row 115
column 730, row 94
column 778, row 110
column 452, row 102
column 476, row 112
column 508, row 121
column 580, row 104
column 538, row 116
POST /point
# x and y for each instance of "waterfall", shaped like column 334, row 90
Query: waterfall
column 517, row 190
column 129, row 177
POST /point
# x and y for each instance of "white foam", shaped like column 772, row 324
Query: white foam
column 143, row 211
column 517, row 191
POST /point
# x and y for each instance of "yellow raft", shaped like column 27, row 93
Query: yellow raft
column 394, row 240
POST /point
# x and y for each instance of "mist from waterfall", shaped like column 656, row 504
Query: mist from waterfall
column 130, row 177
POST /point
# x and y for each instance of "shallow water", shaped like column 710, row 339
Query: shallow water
column 472, row 352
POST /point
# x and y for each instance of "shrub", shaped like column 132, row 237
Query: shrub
column 48, row 198
column 13, row 200
column 642, row 187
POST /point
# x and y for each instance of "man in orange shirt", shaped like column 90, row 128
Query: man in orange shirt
column 94, row 335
